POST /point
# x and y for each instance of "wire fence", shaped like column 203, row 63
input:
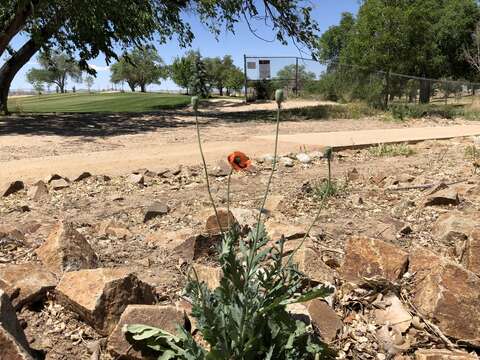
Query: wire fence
column 345, row 83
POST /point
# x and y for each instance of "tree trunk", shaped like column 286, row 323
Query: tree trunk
column 387, row 89
column 425, row 91
column 11, row 67
column 220, row 90
column 131, row 85
column 143, row 88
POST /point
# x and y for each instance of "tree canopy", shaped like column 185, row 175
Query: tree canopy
column 89, row 28
column 141, row 67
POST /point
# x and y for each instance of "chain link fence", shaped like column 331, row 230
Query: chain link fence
column 345, row 83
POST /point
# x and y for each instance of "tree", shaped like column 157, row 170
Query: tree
column 294, row 78
column 218, row 70
column 89, row 80
column 142, row 67
column 55, row 69
column 181, row 71
column 472, row 53
column 200, row 80
column 234, row 80
column 335, row 39
column 93, row 27
column 35, row 79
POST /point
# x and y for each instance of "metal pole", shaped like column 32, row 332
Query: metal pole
column 296, row 77
column 245, row 75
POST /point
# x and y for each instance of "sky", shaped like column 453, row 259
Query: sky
column 325, row 12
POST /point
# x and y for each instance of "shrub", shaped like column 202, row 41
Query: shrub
column 391, row 150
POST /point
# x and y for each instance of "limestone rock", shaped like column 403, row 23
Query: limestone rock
column 26, row 283
column 291, row 232
column 221, row 169
column 11, row 188
column 197, row 246
column 472, row 253
column 100, row 296
column 441, row 354
column 455, row 226
column 366, row 257
column 286, row 161
column 155, row 210
column 304, row 158
column 81, row 176
column 66, row 250
column 166, row 317
column 38, row 191
column 211, row 225
column 59, row 184
column 310, row 263
column 446, row 293
column 325, row 319
column 137, row 179
column 13, row 343
column 52, row 177
column 210, row 275
column 443, row 197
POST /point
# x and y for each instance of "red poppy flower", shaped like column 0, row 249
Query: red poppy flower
column 239, row 161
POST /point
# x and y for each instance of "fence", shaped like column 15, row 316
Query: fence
column 339, row 82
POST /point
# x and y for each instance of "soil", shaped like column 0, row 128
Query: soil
column 381, row 212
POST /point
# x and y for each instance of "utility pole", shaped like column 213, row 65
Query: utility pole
column 296, row 76
column 245, row 76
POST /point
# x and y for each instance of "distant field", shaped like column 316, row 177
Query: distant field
column 97, row 102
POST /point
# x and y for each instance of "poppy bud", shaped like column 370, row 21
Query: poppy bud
column 195, row 102
column 279, row 96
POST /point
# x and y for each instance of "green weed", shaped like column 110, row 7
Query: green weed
column 390, row 150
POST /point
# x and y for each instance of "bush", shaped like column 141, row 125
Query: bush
column 264, row 90
column 391, row 150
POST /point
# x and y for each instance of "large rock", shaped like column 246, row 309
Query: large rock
column 11, row 188
column 446, row 293
column 197, row 246
column 443, row 197
column 443, row 354
column 100, row 296
column 310, row 262
column 454, row 227
column 472, row 253
column 59, row 184
column 13, row 343
column 66, row 250
column 110, row 227
column 324, row 319
column 291, row 232
column 26, row 283
column 155, row 210
column 225, row 219
column 209, row 275
column 38, row 191
column 366, row 258
column 166, row 317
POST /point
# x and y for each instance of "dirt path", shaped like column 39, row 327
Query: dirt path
column 32, row 147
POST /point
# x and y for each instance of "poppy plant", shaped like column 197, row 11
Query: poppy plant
column 239, row 161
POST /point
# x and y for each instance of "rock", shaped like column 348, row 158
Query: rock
column 353, row 175
column 11, row 232
column 273, row 204
column 11, row 188
column 209, row 275
column 324, row 319
column 304, row 158
column 393, row 314
column 38, row 191
column 443, row 197
column 81, row 176
column 110, row 227
column 368, row 258
column 145, row 172
column 447, row 294
column 13, row 343
column 267, row 159
column 291, row 232
column 66, row 250
column 59, row 184
column 443, row 354
column 100, row 296
column 286, row 161
column 472, row 252
column 197, row 246
column 378, row 179
column 310, row 263
column 455, row 226
column 316, row 155
column 211, row 225
column 221, row 169
column 166, row 317
column 385, row 229
column 52, row 177
column 155, row 210
column 26, row 283
column 440, row 186
column 137, row 179
column 245, row 217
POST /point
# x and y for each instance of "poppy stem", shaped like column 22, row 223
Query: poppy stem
column 228, row 199
column 206, row 172
column 274, row 163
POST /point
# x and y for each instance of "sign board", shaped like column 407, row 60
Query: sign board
column 251, row 65
column 264, row 69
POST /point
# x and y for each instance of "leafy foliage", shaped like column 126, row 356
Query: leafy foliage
column 200, row 80
column 142, row 67
column 181, row 71
column 287, row 76
column 246, row 316
column 391, row 150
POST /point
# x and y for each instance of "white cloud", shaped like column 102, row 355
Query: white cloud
column 99, row 68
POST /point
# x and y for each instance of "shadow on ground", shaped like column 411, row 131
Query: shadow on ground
column 104, row 125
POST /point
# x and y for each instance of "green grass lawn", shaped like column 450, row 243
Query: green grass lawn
column 97, row 102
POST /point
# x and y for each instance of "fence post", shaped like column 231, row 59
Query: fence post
column 245, row 76
column 446, row 92
column 296, row 76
